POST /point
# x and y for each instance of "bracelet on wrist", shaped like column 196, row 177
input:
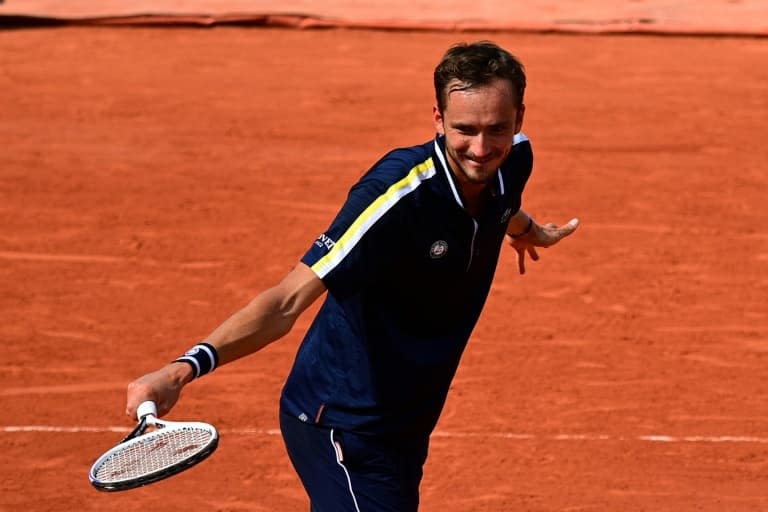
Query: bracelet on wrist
column 203, row 359
column 525, row 231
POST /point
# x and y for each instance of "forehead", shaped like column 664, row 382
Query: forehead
column 495, row 99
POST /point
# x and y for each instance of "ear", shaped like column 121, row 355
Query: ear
column 437, row 117
column 519, row 118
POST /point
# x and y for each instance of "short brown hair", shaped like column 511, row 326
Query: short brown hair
column 477, row 64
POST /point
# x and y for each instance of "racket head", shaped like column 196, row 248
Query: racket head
column 170, row 449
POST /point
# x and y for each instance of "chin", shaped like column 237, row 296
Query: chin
column 474, row 179
column 480, row 176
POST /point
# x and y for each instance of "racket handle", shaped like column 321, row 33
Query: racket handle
column 147, row 408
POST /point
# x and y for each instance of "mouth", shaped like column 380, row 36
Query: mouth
column 479, row 161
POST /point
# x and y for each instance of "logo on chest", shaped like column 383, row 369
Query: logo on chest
column 438, row 249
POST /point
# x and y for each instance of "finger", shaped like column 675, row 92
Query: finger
column 131, row 408
column 534, row 254
column 571, row 226
column 520, row 260
column 558, row 233
column 568, row 228
column 137, row 392
column 131, row 403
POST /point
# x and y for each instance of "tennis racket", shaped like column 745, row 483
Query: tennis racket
column 145, row 457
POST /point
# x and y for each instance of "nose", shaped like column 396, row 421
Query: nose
column 479, row 146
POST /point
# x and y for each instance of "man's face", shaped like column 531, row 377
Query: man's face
column 479, row 125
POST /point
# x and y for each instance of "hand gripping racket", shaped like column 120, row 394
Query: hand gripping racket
column 146, row 457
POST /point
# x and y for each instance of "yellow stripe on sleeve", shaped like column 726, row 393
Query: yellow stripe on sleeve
column 370, row 215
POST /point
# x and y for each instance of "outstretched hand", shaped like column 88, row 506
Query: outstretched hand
column 540, row 236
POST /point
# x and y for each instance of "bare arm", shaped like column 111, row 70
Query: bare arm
column 267, row 318
column 524, row 234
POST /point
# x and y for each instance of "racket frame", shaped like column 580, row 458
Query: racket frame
column 147, row 414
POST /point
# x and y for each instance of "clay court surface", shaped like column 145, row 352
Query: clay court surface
column 153, row 180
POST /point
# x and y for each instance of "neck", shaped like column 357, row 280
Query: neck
column 474, row 196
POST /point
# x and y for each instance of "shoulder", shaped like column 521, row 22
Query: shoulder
column 400, row 166
column 518, row 166
column 521, row 144
column 521, row 155
column 398, row 162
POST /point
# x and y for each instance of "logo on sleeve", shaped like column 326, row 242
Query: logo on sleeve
column 506, row 215
column 438, row 249
column 325, row 241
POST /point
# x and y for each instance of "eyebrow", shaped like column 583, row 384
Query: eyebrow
column 461, row 125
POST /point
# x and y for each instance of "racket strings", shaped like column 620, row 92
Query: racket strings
column 154, row 452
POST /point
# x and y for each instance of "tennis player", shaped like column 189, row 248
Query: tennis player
column 407, row 265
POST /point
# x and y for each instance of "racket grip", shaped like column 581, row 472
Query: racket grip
column 147, row 408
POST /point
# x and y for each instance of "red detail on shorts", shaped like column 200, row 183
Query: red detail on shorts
column 319, row 413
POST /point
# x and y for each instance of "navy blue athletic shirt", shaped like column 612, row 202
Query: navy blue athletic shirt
column 408, row 271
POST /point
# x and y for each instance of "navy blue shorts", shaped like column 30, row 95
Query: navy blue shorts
column 345, row 472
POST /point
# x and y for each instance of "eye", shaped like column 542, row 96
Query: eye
column 465, row 130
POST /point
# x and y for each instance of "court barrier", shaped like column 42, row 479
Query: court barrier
column 700, row 18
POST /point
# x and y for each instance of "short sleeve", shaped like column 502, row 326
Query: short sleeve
column 517, row 169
